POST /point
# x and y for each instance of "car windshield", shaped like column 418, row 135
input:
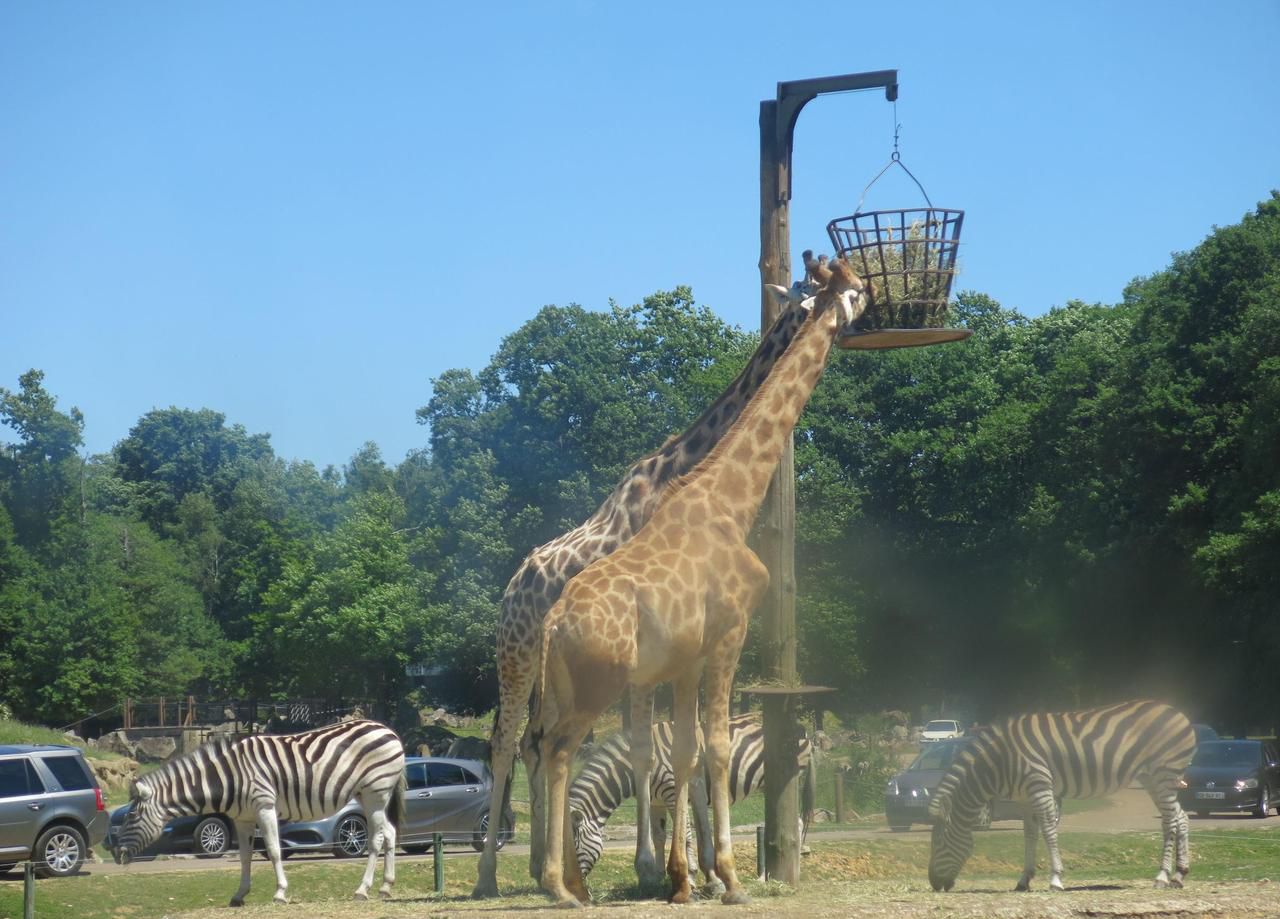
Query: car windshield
column 937, row 756
column 1223, row 753
column 940, row 726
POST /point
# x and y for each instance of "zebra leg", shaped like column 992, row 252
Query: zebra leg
column 684, row 758
column 1047, row 814
column 382, row 838
column 1173, row 823
column 658, row 815
column 502, row 753
column 1030, row 833
column 244, row 838
column 702, row 827
column 642, row 766
column 270, row 828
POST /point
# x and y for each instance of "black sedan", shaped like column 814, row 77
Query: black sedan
column 1231, row 775
column 207, row 835
column 906, row 797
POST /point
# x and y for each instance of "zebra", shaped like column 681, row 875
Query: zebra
column 607, row 779
column 263, row 778
column 1084, row 754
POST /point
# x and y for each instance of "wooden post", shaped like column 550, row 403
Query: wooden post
column 776, row 546
column 778, row 513
column 160, row 709
column 840, row 815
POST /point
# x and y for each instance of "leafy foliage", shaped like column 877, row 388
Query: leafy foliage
column 1069, row 508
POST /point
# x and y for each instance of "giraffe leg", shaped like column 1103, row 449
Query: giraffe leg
column 720, row 670
column 516, row 685
column 684, row 758
column 558, row 748
column 642, row 765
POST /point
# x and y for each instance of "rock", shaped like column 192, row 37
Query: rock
column 476, row 748
column 117, row 742
column 155, row 749
column 900, row 733
column 114, row 773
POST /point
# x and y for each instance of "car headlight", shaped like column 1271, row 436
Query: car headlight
column 892, row 787
column 1242, row 784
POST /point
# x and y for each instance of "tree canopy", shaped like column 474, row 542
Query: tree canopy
column 1075, row 507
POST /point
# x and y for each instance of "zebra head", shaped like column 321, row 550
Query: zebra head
column 588, row 840
column 951, row 843
column 142, row 826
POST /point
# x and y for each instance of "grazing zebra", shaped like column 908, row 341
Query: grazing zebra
column 1086, row 754
column 607, row 779
column 265, row 778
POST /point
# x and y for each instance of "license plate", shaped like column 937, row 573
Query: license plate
column 1211, row 795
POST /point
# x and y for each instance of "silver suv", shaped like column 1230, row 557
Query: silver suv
column 51, row 808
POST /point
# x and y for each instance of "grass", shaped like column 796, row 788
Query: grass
column 19, row 732
column 835, row 871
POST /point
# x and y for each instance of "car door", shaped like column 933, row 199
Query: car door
column 1271, row 769
column 417, row 803
column 454, row 791
column 21, row 801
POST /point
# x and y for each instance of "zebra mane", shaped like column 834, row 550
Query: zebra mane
column 156, row 779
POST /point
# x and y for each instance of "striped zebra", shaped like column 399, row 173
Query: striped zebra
column 1085, row 754
column 266, row 778
column 607, row 779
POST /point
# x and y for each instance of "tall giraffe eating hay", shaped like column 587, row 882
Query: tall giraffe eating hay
column 674, row 602
column 539, row 580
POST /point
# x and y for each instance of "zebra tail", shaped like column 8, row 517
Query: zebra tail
column 395, row 808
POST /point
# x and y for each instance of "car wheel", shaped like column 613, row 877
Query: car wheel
column 983, row 822
column 1264, row 803
column 211, row 838
column 60, row 850
column 351, row 836
column 482, row 830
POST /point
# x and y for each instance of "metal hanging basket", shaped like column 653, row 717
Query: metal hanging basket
column 909, row 257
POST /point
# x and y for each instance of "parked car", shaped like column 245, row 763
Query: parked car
column 205, row 835
column 941, row 730
column 447, row 796
column 907, row 796
column 1231, row 775
column 51, row 808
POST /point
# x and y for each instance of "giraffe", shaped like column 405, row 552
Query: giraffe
column 540, row 578
column 672, row 605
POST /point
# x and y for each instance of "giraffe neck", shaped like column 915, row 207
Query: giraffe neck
column 738, row 470
column 635, row 498
column 694, row 444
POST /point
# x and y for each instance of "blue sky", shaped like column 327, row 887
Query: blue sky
column 298, row 214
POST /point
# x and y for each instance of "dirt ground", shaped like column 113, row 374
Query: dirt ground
column 863, row 900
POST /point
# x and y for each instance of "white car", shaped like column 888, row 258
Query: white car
column 940, row 730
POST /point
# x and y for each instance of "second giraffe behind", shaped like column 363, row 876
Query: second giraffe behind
column 672, row 605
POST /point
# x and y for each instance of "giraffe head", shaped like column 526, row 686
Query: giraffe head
column 830, row 285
